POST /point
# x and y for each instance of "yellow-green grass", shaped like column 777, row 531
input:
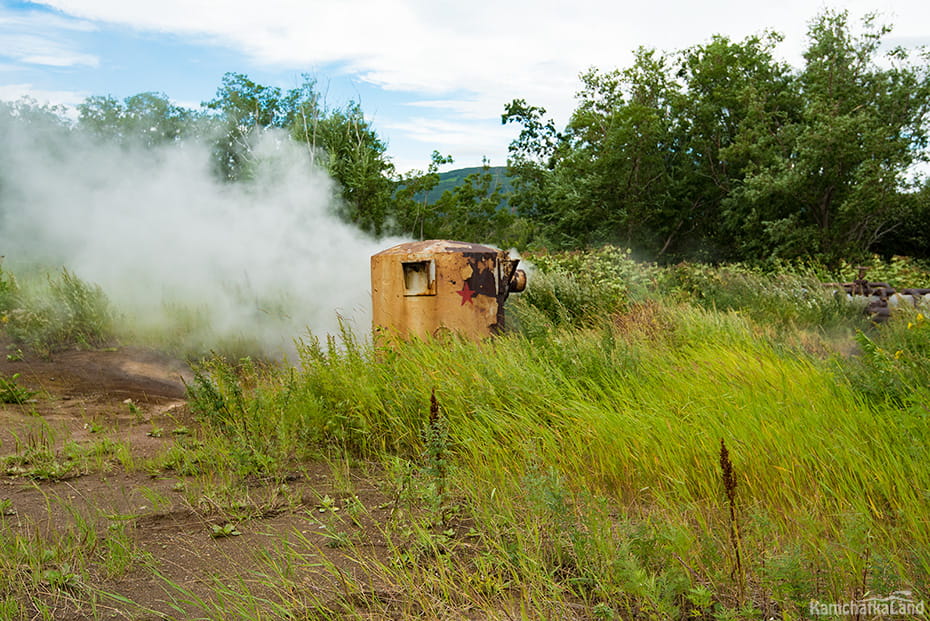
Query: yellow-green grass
column 589, row 458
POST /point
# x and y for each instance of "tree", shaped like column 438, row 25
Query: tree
column 835, row 185
column 721, row 151
column 341, row 141
column 533, row 156
column 245, row 108
column 411, row 198
column 617, row 175
column 145, row 119
column 474, row 210
column 356, row 158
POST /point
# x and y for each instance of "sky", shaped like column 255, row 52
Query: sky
column 429, row 74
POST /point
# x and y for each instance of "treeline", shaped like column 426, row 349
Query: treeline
column 716, row 152
column 723, row 152
column 371, row 193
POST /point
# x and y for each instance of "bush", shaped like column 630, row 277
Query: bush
column 565, row 299
column 783, row 300
column 8, row 291
column 59, row 313
column 894, row 360
column 579, row 288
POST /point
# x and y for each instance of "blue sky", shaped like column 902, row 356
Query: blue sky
column 429, row 74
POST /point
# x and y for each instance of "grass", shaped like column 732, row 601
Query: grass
column 705, row 447
column 48, row 312
column 589, row 460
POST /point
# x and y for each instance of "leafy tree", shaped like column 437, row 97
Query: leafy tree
column 356, row 158
column 342, row 141
column 533, row 157
column 721, row 151
column 245, row 108
column 147, row 119
column 411, row 210
column 737, row 97
column 835, row 185
column 473, row 210
column 615, row 178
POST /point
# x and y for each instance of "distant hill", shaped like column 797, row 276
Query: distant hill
column 450, row 179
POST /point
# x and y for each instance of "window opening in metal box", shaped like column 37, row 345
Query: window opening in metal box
column 419, row 278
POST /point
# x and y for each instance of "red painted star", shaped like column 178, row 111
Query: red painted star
column 467, row 294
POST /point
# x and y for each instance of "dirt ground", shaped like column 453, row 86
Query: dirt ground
column 124, row 394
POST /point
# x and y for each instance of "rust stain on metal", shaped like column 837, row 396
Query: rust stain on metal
column 426, row 288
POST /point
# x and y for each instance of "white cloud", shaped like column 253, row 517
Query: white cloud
column 30, row 20
column 472, row 140
column 495, row 50
column 13, row 92
column 38, row 50
column 470, row 58
column 40, row 39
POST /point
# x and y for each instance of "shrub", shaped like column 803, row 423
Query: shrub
column 62, row 312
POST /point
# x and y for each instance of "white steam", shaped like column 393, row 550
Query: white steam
column 262, row 261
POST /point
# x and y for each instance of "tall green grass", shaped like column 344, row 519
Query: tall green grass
column 588, row 459
column 572, row 467
column 47, row 312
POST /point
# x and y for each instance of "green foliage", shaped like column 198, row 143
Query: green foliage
column 12, row 392
column 61, row 312
column 38, row 459
column 893, row 361
column 474, row 210
column 355, row 156
column 218, row 531
column 588, row 460
column 9, row 291
column 782, row 300
column 562, row 300
column 579, row 288
column 146, row 119
column 412, row 205
column 243, row 110
column 608, row 268
column 899, row 272
column 341, row 140
column 720, row 151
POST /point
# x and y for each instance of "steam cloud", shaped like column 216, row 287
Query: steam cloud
column 265, row 260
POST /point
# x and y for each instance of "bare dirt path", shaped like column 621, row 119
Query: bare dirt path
column 165, row 523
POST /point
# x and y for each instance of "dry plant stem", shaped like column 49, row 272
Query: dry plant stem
column 729, row 486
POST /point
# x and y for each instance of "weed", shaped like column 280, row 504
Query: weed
column 578, row 458
column 6, row 507
column 327, row 504
column 729, row 488
column 94, row 427
column 437, row 460
column 62, row 577
column 12, row 392
column 134, row 409
column 61, row 312
column 218, row 531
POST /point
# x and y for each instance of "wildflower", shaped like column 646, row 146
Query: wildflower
column 898, row 354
